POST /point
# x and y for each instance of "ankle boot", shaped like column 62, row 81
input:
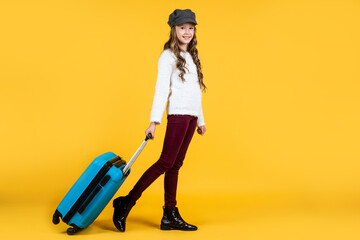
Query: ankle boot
column 122, row 207
column 172, row 220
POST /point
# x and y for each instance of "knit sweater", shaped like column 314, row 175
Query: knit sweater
column 182, row 98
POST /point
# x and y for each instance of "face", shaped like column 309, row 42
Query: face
column 185, row 32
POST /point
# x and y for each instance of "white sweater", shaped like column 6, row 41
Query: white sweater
column 184, row 98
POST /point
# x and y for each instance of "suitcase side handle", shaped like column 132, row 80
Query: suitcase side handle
column 137, row 153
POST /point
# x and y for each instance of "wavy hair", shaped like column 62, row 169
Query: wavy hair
column 173, row 44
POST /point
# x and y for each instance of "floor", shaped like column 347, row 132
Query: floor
column 217, row 216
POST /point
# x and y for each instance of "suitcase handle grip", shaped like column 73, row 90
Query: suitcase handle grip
column 148, row 137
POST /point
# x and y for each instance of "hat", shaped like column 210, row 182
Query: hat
column 179, row 16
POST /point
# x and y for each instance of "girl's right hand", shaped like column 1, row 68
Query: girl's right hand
column 151, row 129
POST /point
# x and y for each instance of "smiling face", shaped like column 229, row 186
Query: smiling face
column 185, row 33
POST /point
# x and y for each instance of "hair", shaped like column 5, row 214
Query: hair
column 173, row 44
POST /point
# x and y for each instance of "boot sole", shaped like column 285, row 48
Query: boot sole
column 167, row 228
column 163, row 227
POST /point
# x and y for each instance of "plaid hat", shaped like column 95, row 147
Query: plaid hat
column 179, row 16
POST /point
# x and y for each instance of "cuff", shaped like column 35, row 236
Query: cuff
column 200, row 123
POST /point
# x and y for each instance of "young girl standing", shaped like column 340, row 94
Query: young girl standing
column 179, row 82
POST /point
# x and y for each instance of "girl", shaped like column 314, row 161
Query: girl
column 179, row 82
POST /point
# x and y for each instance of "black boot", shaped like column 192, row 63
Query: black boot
column 173, row 220
column 122, row 207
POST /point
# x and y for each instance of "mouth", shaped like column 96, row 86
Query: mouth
column 186, row 38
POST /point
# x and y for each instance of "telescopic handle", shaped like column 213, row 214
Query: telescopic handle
column 134, row 157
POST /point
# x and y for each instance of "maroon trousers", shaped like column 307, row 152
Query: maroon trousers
column 179, row 132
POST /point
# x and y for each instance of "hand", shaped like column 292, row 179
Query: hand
column 201, row 130
column 151, row 129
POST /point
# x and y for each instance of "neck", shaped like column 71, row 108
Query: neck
column 183, row 47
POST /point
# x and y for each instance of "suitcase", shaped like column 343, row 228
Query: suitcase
column 93, row 190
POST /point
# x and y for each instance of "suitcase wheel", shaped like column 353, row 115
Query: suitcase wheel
column 73, row 230
column 56, row 217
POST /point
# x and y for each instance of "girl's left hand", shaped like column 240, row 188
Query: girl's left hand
column 201, row 130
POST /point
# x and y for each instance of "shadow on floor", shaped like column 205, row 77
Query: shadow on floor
column 109, row 225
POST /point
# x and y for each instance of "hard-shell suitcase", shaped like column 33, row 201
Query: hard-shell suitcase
column 93, row 190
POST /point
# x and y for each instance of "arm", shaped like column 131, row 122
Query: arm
column 162, row 88
column 201, row 124
column 200, row 121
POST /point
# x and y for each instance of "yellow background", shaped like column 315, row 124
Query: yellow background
column 280, row 159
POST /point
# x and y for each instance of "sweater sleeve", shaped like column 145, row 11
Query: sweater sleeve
column 162, row 87
column 200, row 121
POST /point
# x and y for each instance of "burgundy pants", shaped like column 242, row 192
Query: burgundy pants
column 179, row 132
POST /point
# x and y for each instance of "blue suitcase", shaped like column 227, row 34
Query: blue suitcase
column 93, row 190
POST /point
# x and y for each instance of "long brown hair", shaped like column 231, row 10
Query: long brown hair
column 173, row 44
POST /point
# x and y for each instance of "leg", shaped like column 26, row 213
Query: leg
column 177, row 127
column 175, row 133
column 171, row 176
